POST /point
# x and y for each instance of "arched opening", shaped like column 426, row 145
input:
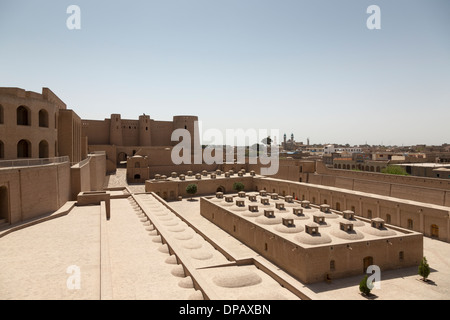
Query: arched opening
column 43, row 118
column 220, row 189
column 2, row 150
column 388, row 218
column 353, row 167
column 372, row 169
column 378, row 169
column 23, row 149
column 335, row 165
column 43, row 149
column 434, row 231
column 4, row 204
column 332, row 265
column 410, row 224
column 339, row 166
column 369, row 214
column 23, row 116
column 338, row 206
column 367, row 261
column 137, row 176
column 122, row 159
column 1, row 114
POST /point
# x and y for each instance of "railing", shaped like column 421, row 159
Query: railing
column 97, row 152
column 80, row 164
column 32, row 162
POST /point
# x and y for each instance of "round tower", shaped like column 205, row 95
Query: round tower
column 115, row 130
column 189, row 123
column 145, row 137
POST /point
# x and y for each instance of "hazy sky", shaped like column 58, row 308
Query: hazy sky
column 311, row 68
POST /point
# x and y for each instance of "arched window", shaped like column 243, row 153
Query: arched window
column 4, row 211
column 434, row 231
column 1, row 114
column 43, row 149
column 43, row 118
column 23, row 116
column 24, row 149
column 2, row 150
column 332, row 265
column 410, row 224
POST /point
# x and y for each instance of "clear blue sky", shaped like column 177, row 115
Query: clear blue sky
column 311, row 68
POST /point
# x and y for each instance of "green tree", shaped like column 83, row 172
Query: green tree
column 363, row 286
column 424, row 269
column 191, row 189
column 395, row 170
column 238, row 186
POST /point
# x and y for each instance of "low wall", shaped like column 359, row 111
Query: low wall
column 36, row 190
column 171, row 189
column 88, row 175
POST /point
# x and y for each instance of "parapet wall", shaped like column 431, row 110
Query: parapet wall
column 434, row 183
column 88, row 175
column 428, row 190
column 47, row 95
column 34, row 191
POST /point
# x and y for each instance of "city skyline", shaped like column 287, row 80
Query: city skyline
column 311, row 68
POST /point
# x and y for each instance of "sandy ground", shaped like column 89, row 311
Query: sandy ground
column 35, row 260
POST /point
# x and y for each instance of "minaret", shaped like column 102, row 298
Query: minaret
column 284, row 143
column 292, row 141
column 115, row 130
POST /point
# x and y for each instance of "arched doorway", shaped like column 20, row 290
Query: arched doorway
column 367, row 261
column 137, row 176
column 220, row 189
column 4, row 204
column 434, row 231
column 121, row 159
column 338, row 206
column 43, row 149
column 43, row 118
column 23, row 149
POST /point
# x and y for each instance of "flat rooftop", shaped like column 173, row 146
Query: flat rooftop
column 330, row 232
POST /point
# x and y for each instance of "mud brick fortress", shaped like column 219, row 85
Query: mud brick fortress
column 312, row 222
